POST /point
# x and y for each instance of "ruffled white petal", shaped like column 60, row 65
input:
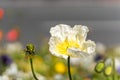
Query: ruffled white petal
column 61, row 31
column 76, row 52
column 89, row 47
column 81, row 31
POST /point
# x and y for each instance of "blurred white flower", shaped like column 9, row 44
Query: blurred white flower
column 100, row 48
column 15, row 47
column 86, row 63
column 58, row 77
column 29, row 76
column 12, row 73
column 117, row 63
column 12, row 70
column 4, row 77
column 67, row 41
column 40, row 77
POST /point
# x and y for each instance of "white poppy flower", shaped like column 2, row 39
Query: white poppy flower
column 67, row 41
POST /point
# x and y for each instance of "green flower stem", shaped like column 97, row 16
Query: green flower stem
column 114, row 69
column 70, row 78
column 31, row 64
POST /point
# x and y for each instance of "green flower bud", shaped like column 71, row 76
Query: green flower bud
column 30, row 48
column 100, row 67
column 108, row 70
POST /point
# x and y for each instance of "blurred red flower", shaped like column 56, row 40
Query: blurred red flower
column 1, row 13
column 12, row 35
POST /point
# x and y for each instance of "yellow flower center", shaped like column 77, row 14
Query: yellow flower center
column 63, row 46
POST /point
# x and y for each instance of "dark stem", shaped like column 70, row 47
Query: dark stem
column 31, row 64
column 70, row 78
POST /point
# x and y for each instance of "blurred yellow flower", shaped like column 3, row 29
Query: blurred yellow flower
column 67, row 41
column 24, row 66
column 60, row 67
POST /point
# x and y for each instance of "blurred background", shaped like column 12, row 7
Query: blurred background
column 29, row 21
column 35, row 17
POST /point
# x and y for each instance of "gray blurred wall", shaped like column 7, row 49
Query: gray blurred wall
column 35, row 17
